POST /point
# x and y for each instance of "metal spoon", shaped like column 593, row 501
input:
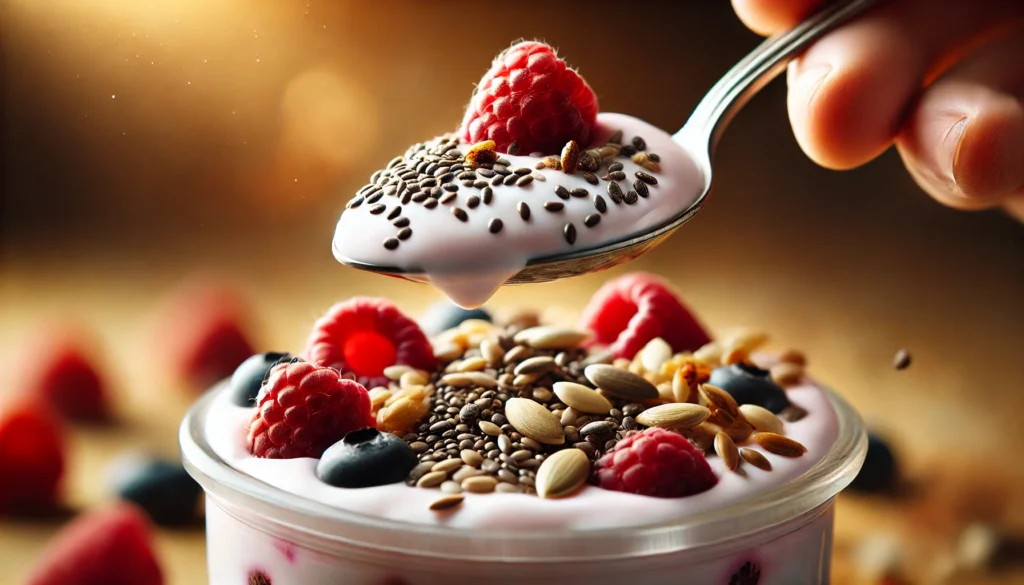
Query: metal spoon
column 699, row 137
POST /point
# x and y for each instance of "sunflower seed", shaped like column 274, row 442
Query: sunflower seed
column 649, row 179
column 479, row 484
column 630, row 197
column 726, row 449
column 616, row 166
column 446, row 503
column 676, row 415
column 599, row 204
column 641, row 188
column 720, row 400
column 432, row 479
column 779, row 445
column 591, row 178
column 580, row 193
column 535, row 365
column 550, row 337
column 562, row 473
column 534, row 420
column 756, row 459
column 619, row 382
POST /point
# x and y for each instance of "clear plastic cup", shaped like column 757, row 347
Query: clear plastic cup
column 257, row 531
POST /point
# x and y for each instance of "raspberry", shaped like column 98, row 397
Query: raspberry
column 531, row 99
column 303, row 409
column 112, row 546
column 655, row 462
column 203, row 334
column 66, row 379
column 362, row 336
column 629, row 311
column 32, row 455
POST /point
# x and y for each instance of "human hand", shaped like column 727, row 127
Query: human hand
column 943, row 81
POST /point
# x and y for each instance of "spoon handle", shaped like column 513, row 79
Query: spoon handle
column 701, row 132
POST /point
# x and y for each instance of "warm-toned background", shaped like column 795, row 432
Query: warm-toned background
column 152, row 143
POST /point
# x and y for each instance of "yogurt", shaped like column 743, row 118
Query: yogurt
column 435, row 217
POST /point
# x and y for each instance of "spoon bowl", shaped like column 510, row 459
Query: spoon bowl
column 698, row 138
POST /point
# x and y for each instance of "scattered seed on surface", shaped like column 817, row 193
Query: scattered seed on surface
column 524, row 210
column 401, row 222
column 570, row 157
column 901, row 360
column 580, row 193
column 479, row 484
column 448, row 502
column 554, row 206
column 630, row 197
column 404, row 233
column 391, row 243
column 460, row 213
column 591, row 178
column 562, row 192
column 524, row 180
column 447, row 198
column 488, row 194
column 592, row 220
column 473, row 202
column 616, row 176
column 599, row 204
column 378, row 209
column 756, row 459
column 639, row 143
column 615, row 166
column 495, row 225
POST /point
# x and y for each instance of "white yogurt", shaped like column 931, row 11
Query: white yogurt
column 592, row 508
column 468, row 263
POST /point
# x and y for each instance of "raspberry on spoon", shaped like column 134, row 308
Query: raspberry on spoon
column 530, row 101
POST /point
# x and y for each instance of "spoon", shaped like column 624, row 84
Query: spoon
column 698, row 137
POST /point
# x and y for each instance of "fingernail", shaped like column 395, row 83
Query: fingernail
column 950, row 149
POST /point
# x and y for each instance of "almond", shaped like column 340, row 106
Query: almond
column 756, row 459
column 761, row 418
column 726, row 449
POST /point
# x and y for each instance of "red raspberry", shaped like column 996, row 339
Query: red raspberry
column 65, row 378
column 303, row 409
column 32, row 455
column 530, row 98
column 629, row 311
column 655, row 462
column 112, row 546
column 362, row 336
column 203, row 335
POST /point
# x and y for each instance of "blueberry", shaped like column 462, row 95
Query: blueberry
column 879, row 473
column 247, row 379
column 750, row 385
column 366, row 458
column 445, row 315
column 162, row 488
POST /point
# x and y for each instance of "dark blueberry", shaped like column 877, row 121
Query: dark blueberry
column 445, row 315
column 366, row 458
column 162, row 488
column 879, row 472
column 247, row 379
column 750, row 385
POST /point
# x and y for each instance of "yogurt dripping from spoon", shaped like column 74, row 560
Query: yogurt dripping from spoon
column 468, row 229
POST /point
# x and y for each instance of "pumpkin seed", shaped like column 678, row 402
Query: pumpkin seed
column 582, row 398
column 531, row 419
column 678, row 415
column 562, row 473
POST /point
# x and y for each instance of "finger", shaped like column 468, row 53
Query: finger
column 850, row 91
column 964, row 140
column 767, row 17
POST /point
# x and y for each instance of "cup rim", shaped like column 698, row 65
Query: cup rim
column 773, row 511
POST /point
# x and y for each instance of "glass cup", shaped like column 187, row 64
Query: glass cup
column 258, row 534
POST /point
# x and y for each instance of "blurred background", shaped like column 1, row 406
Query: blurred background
column 155, row 147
